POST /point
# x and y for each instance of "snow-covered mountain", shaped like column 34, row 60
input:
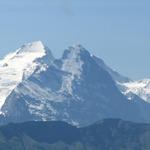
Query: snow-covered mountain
column 78, row 88
column 18, row 66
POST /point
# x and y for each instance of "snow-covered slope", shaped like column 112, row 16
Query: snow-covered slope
column 18, row 66
column 140, row 88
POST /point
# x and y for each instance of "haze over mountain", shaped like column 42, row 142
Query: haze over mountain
column 78, row 88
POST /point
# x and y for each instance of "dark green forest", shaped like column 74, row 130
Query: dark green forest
column 109, row 134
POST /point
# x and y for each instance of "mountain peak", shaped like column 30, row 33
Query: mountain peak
column 17, row 66
column 75, row 51
column 36, row 46
column 76, row 48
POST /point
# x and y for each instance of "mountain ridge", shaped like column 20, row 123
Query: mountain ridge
column 78, row 88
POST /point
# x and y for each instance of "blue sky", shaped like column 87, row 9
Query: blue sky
column 116, row 30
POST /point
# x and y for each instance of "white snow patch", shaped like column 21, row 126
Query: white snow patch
column 140, row 88
column 73, row 64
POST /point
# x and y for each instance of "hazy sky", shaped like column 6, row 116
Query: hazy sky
column 116, row 30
